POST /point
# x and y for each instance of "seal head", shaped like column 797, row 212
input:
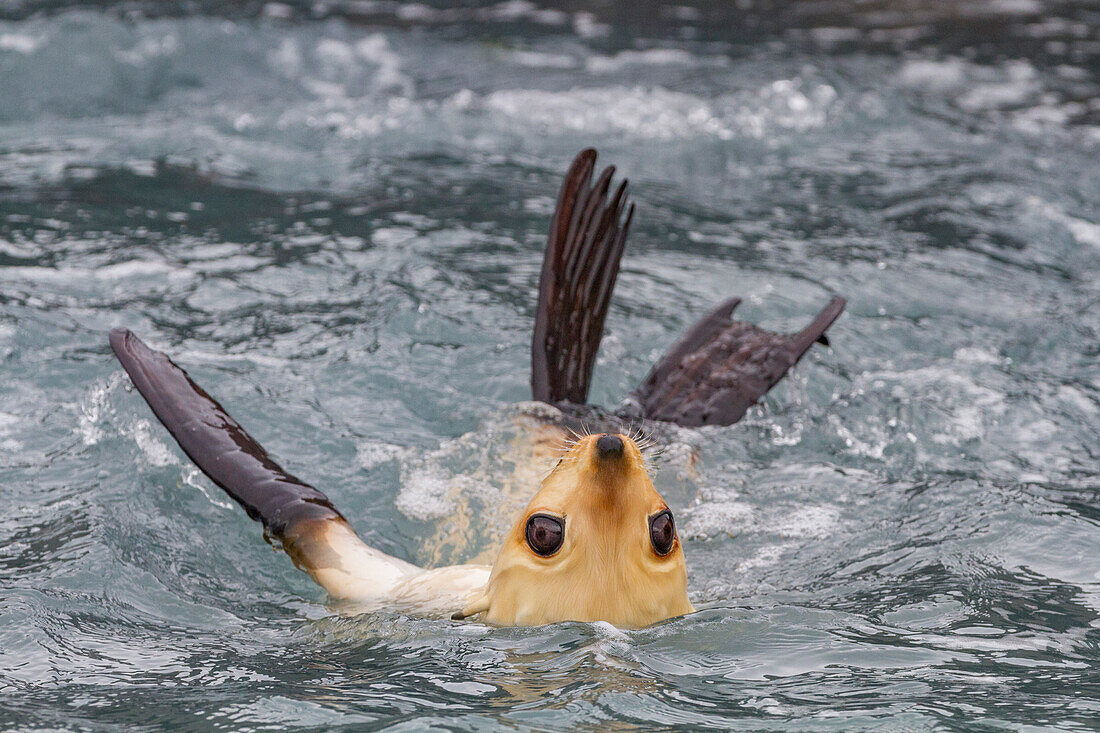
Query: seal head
column 596, row 543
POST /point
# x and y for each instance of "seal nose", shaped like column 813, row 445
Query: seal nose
column 609, row 446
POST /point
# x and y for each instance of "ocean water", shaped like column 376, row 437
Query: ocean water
column 333, row 215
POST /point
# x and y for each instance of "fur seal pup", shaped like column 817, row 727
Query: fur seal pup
column 597, row 542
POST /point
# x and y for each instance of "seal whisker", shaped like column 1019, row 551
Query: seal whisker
column 573, row 438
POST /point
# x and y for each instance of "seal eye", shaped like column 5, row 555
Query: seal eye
column 545, row 534
column 662, row 532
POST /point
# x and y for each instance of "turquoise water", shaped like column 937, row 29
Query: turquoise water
column 333, row 216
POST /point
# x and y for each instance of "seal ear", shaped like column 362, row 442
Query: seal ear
column 579, row 270
column 721, row 367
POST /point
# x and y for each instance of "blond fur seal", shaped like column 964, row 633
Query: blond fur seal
column 597, row 542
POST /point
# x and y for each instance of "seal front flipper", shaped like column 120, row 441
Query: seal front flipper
column 313, row 532
column 579, row 270
column 721, row 367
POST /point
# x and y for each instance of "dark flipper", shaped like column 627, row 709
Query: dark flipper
column 721, row 367
column 578, row 274
column 315, row 535
column 217, row 443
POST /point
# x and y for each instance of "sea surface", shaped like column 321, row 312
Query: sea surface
column 333, row 215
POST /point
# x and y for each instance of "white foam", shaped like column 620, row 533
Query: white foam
column 538, row 409
column 542, row 205
column 716, row 519
column 976, row 355
column 141, row 167
column 334, row 53
column 855, row 443
column 388, row 75
column 659, row 113
column 213, row 251
column 148, row 47
column 786, row 437
column 651, row 57
column 1019, row 84
column 76, row 275
column 1016, row 7
column 969, row 404
column 1038, row 432
column 787, row 105
column 980, row 88
column 287, row 58
column 609, row 632
column 1074, row 396
column 7, row 420
column 764, row 556
column 222, row 357
column 968, row 423
column 233, row 263
column 585, row 25
column 19, row 42
column 373, row 453
column 806, row 522
column 536, row 60
column 831, row 35
column 280, row 11
column 1085, row 232
column 509, row 10
column 134, row 268
column 92, row 409
column 418, row 12
column 428, row 493
column 7, row 338
column 655, row 113
column 392, row 236
column 156, row 452
column 933, row 75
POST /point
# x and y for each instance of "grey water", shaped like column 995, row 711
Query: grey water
column 333, row 215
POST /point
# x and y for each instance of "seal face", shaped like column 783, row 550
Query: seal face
column 596, row 543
